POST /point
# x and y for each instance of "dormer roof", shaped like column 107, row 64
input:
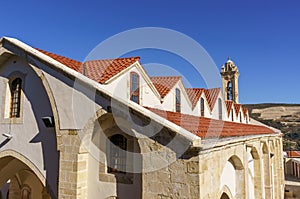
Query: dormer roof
column 164, row 84
column 237, row 108
column 229, row 105
column 97, row 70
column 212, row 95
column 194, row 95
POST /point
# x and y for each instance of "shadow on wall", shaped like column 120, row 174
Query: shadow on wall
column 40, row 104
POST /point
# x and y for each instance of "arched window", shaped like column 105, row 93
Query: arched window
column 134, row 87
column 117, row 154
column 202, row 106
column 15, row 101
column 178, row 100
column 220, row 109
column 229, row 91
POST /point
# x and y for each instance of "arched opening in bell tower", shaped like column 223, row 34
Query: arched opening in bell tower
column 229, row 91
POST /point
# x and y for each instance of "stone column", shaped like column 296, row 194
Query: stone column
column 73, row 168
column 279, row 169
column 267, row 179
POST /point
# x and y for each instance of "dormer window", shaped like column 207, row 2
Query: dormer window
column 178, row 100
column 202, row 107
column 15, row 100
column 220, row 109
column 134, row 87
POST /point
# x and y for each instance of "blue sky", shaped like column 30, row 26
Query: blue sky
column 261, row 37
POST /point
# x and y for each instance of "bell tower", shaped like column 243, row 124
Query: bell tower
column 230, row 76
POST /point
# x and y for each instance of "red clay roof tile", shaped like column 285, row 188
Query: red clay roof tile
column 208, row 128
column 73, row 64
column 194, row 95
column 245, row 111
column 293, row 154
column 98, row 70
column 229, row 104
column 103, row 70
column 212, row 96
column 237, row 108
column 164, row 84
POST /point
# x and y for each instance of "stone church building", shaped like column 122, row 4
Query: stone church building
column 105, row 129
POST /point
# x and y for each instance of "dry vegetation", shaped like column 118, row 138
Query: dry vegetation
column 285, row 117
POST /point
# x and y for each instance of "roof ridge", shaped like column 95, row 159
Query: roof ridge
column 47, row 52
column 119, row 58
column 166, row 77
column 164, row 84
column 97, row 70
column 196, row 88
column 71, row 63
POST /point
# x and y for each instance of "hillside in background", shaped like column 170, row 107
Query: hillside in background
column 285, row 117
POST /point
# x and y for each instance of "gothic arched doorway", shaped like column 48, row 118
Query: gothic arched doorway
column 224, row 196
column 19, row 180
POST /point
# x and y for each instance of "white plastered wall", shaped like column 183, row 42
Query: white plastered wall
column 169, row 100
column 228, row 178
column 196, row 111
column 215, row 111
column 30, row 136
column 120, row 87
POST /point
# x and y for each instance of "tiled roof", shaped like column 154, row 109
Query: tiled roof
column 164, row 84
column 293, row 154
column 237, row 108
column 229, row 104
column 98, row 70
column 73, row 64
column 194, row 95
column 208, row 128
column 245, row 111
column 212, row 96
column 103, row 70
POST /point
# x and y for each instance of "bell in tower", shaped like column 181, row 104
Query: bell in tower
column 230, row 75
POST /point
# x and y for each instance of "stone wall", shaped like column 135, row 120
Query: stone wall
column 178, row 177
column 73, row 167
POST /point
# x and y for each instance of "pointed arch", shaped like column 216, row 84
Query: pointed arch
column 254, row 173
column 22, row 160
column 234, row 169
column 53, row 105
column 225, row 193
column 236, row 162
